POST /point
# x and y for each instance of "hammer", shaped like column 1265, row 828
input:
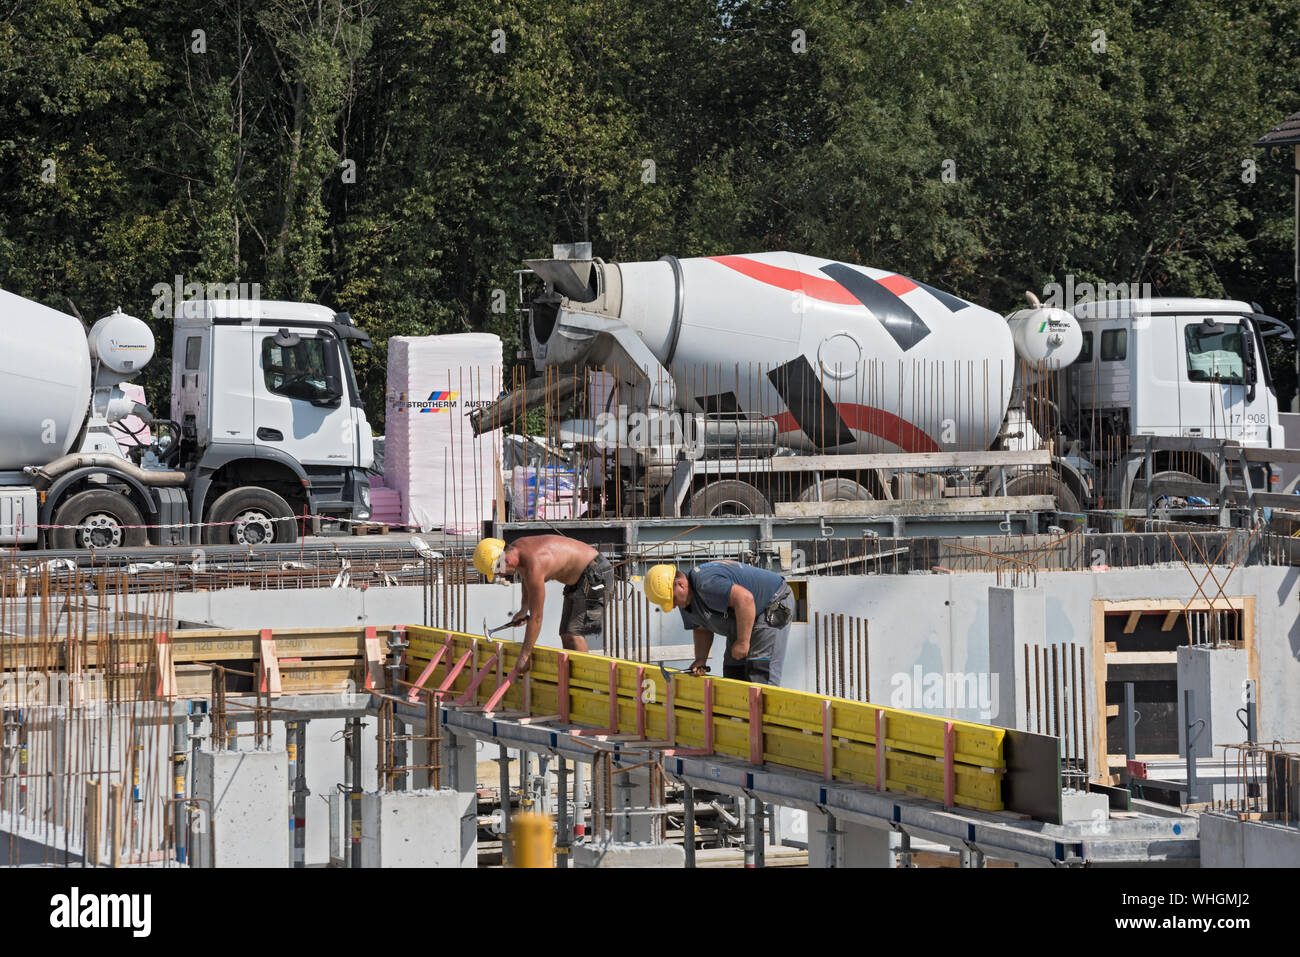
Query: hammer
column 669, row 672
column 489, row 632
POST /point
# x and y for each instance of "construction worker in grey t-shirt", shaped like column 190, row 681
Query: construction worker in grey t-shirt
column 750, row 606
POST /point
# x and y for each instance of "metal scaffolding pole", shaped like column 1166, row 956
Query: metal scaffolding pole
column 563, row 833
column 688, row 825
column 291, row 749
column 832, row 842
column 503, row 759
column 579, row 802
column 904, row 849
column 300, row 795
column 354, row 798
column 397, row 645
column 180, row 753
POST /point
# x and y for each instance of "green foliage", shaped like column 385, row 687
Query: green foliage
column 227, row 164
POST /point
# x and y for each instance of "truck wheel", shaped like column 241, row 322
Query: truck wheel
column 728, row 497
column 104, row 518
column 836, row 490
column 1043, row 483
column 1172, row 501
column 261, row 518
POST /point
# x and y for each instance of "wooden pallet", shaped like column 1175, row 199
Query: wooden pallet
column 370, row 528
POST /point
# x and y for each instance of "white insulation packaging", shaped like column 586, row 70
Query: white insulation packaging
column 444, row 474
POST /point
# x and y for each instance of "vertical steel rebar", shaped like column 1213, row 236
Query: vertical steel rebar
column 817, row 649
column 1191, row 724
column 839, row 653
column 1130, row 722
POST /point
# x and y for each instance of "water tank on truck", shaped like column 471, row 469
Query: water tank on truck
column 1046, row 338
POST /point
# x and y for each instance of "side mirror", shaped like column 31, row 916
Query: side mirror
column 333, row 376
column 1249, row 371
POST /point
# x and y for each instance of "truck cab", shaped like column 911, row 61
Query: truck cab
column 1190, row 368
column 270, row 418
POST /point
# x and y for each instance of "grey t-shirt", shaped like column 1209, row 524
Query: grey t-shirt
column 711, row 585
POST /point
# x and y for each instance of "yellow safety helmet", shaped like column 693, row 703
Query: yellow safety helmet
column 487, row 555
column 658, row 585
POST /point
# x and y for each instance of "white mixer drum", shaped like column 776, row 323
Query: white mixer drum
column 44, row 381
column 845, row 358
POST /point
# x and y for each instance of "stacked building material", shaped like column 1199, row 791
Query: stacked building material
column 444, row 475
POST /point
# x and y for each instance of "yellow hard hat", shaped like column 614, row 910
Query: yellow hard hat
column 486, row 556
column 658, row 585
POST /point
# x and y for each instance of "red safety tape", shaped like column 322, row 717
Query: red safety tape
column 23, row 526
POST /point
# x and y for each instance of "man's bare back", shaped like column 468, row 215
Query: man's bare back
column 537, row 559
column 553, row 557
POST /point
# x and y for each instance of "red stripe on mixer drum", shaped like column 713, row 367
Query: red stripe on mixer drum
column 877, row 422
column 898, row 285
column 827, row 290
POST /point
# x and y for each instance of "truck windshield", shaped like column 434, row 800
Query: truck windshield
column 298, row 371
column 1214, row 356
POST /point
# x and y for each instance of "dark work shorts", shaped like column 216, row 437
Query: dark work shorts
column 583, row 612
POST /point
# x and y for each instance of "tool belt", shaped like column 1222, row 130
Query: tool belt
column 777, row 613
column 592, row 580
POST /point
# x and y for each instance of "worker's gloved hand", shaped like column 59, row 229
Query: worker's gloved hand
column 520, row 617
column 699, row 666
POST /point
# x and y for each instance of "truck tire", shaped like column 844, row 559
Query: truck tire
column 1172, row 501
column 1044, row 483
column 728, row 497
column 107, row 516
column 836, row 490
column 264, row 518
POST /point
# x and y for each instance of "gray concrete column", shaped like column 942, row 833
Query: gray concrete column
column 460, row 754
column 411, row 829
column 1217, row 677
column 248, row 822
column 1017, row 617
column 634, row 789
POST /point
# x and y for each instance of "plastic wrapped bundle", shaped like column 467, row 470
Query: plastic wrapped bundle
column 546, row 493
column 444, row 475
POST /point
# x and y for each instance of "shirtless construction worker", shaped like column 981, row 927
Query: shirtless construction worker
column 537, row 559
column 750, row 606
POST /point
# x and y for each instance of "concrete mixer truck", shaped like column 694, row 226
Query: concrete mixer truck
column 265, row 424
column 738, row 383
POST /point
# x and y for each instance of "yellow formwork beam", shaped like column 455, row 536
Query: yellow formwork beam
column 790, row 723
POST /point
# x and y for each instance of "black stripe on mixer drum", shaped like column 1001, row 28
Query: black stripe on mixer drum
column 948, row 299
column 805, row 396
column 724, row 403
column 903, row 325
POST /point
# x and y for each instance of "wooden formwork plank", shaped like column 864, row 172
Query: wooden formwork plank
column 188, row 646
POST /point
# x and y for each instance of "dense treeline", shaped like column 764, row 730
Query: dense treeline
column 398, row 158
